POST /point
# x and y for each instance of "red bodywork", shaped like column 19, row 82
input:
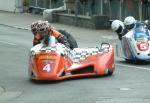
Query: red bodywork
column 54, row 66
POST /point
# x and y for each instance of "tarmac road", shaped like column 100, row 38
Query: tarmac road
column 129, row 84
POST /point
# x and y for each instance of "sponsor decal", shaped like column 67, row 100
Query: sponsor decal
column 47, row 57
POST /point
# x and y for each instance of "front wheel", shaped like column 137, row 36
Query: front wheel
column 130, row 61
column 110, row 72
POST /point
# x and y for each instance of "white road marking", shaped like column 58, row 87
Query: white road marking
column 124, row 89
column 142, row 68
column 109, row 37
column 4, row 42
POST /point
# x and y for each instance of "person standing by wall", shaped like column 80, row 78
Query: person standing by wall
column 115, row 9
column 146, row 9
column 128, row 8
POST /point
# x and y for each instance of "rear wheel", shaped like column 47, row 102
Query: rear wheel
column 110, row 72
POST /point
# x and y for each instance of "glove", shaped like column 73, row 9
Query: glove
column 63, row 40
column 35, row 42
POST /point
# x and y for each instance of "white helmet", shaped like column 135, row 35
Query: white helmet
column 147, row 22
column 129, row 20
column 117, row 26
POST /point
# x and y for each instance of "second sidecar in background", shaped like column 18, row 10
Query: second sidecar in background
column 135, row 45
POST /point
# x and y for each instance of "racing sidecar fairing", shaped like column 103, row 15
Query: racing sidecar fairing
column 135, row 45
column 56, row 62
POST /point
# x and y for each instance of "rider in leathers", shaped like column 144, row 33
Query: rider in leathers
column 62, row 36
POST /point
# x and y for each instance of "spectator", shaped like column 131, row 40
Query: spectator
column 146, row 9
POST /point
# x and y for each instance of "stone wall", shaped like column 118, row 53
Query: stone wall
column 94, row 22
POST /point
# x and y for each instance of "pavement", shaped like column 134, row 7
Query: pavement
column 18, row 20
column 24, row 20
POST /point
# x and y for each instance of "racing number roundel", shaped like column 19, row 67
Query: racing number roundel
column 47, row 68
column 143, row 46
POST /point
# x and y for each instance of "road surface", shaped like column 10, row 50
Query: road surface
column 130, row 83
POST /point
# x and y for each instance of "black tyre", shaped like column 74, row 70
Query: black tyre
column 110, row 72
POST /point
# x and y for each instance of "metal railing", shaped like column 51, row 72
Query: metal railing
column 115, row 9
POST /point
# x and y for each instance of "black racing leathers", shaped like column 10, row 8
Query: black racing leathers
column 71, row 40
column 64, row 41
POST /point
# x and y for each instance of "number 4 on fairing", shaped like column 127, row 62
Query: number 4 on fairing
column 47, row 68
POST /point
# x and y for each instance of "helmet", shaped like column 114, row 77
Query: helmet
column 43, row 27
column 147, row 22
column 129, row 22
column 34, row 26
column 117, row 26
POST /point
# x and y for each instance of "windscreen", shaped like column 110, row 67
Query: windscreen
column 141, row 31
column 52, row 40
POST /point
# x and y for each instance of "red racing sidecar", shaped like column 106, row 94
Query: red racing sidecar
column 56, row 62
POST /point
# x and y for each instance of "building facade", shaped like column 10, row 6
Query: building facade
column 115, row 9
column 11, row 5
